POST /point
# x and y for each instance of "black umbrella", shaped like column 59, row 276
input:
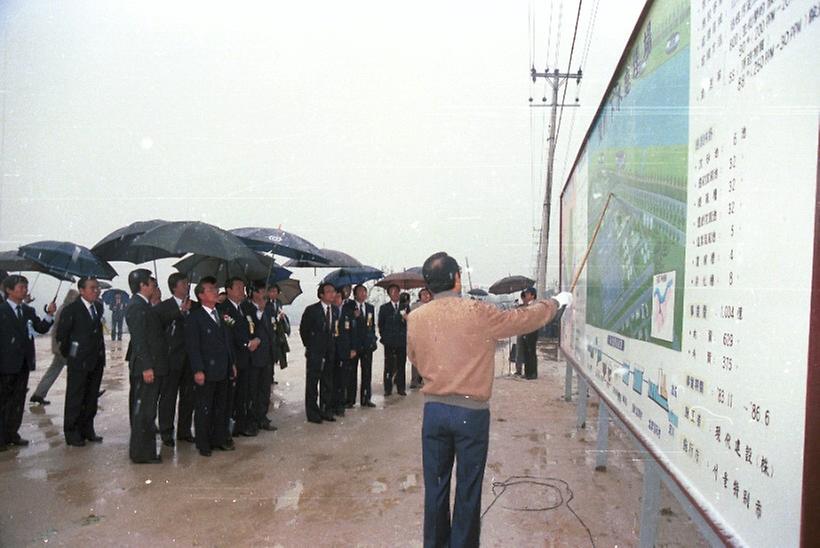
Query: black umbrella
column 12, row 262
column 477, row 292
column 117, row 246
column 256, row 267
column 109, row 296
column 67, row 258
column 180, row 237
column 336, row 259
column 409, row 279
column 511, row 284
column 275, row 240
column 288, row 290
column 352, row 275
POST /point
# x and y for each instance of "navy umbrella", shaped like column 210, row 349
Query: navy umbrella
column 276, row 240
column 336, row 259
column 68, row 259
column 117, row 246
column 109, row 296
column 477, row 292
column 352, row 275
column 12, row 262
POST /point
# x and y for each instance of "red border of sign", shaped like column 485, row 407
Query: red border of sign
column 809, row 529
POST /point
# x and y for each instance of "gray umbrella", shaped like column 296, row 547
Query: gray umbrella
column 511, row 284
column 337, row 260
column 180, row 237
column 117, row 246
column 12, row 262
column 288, row 290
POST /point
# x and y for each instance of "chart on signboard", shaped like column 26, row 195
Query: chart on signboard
column 691, row 315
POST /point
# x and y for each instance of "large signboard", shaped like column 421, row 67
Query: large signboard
column 692, row 314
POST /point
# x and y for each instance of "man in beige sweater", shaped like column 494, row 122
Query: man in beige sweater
column 452, row 341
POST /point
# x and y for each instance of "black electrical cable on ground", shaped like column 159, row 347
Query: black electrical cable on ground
column 500, row 486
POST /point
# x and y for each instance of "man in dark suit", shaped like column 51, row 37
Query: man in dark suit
column 17, row 320
column 180, row 379
column 281, row 327
column 255, row 310
column 148, row 366
column 529, row 341
column 343, row 330
column 210, row 351
column 393, row 332
column 244, row 343
column 364, row 343
column 316, row 331
column 80, row 336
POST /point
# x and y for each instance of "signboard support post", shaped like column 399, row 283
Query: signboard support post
column 650, row 503
column 602, row 441
column 568, row 383
column 583, row 390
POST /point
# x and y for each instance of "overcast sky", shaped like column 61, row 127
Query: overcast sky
column 387, row 130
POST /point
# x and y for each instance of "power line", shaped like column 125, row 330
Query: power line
column 569, row 66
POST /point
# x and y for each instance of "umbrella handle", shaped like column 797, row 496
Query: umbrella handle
column 58, row 291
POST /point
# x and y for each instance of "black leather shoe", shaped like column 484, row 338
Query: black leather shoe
column 205, row 452
column 402, row 393
column 315, row 421
column 339, row 412
column 189, row 438
column 19, row 442
column 328, row 417
column 4, row 447
column 350, row 405
column 95, row 438
column 169, row 442
column 387, row 394
column 225, row 447
column 100, row 393
column 76, row 443
column 368, row 403
column 268, row 427
column 37, row 399
column 153, row 460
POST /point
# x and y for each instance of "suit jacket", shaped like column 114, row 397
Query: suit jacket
column 173, row 327
column 209, row 346
column 146, row 349
column 265, row 354
column 281, row 328
column 240, row 332
column 392, row 328
column 81, row 338
column 319, row 342
column 16, row 345
column 343, row 331
column 364, row 328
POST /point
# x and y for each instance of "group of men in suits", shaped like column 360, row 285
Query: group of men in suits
column 215, row 359
column 339, row 335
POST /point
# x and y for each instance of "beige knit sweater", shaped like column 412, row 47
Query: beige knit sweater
column 452, row 341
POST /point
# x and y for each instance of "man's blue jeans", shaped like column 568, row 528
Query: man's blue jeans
column 452, row 432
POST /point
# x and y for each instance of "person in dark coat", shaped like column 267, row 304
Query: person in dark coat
column 364, row 343
column 316, row 331
column 261, row 364
column 281, row 327
column 147, row 364
column 529, row 341
column 179, row 383
column 244, row 343
column 343, row 331
column 210, row 350
column 17, row 355
column 393, row 332
column 81, row 340
column 117, row 316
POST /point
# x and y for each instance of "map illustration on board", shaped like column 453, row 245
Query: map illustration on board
column 638, row 154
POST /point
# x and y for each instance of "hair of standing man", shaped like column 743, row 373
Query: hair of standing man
column 529, row 291
column 137, row 278
column 9, row 282
column 232, row 280
column 199, row 289
column 322, row 287
column 174, row 279
column 439, row 271
column 84, row 280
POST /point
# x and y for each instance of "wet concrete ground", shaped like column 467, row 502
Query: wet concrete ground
column 354, row 482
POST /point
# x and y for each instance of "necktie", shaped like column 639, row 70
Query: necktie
column 361, row 309
column 327, row 319
column 93, row 311
column 216, row 317
column 19, row 312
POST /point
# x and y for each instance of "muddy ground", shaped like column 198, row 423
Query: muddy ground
column 354, row 482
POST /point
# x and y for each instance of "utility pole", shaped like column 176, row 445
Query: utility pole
column 556, row 80
column 469, row 275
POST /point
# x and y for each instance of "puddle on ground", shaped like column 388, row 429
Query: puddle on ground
column 290, row 498
column 378, row 487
